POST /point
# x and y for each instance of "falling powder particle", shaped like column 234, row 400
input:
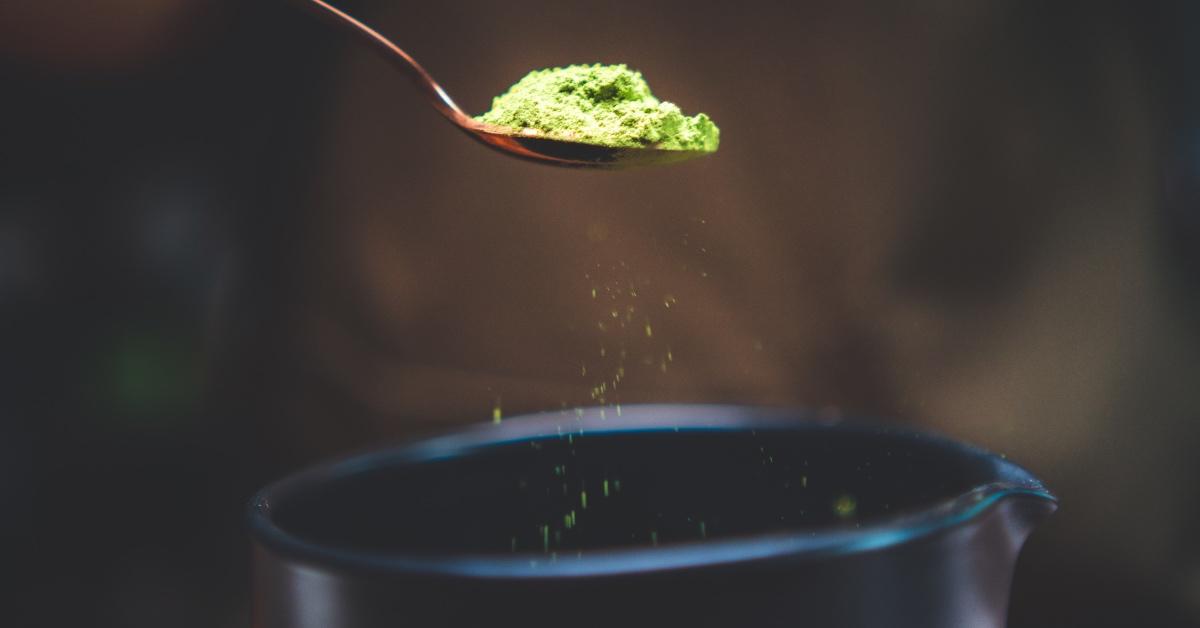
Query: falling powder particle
column 649, row 331
column 703, row 531
column 583, row 499
column 605, row 488
column 497, row 415
column 654, row 538
column 845, row 506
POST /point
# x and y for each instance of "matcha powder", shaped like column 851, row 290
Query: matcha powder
column 609, row 105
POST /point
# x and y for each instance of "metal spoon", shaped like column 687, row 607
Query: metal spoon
column 524, row 144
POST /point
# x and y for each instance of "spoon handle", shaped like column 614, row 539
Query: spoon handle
column 438, row 97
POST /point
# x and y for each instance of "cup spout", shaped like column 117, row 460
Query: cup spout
column 1021, row 502
column 1031, row 509
column 1019, row 512
column 1025, row 501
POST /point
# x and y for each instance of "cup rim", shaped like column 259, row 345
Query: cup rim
column 1009, row 480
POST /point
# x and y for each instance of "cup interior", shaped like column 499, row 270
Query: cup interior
column 578, row 492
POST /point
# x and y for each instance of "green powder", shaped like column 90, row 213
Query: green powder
column 845, row 506
column 609, row 105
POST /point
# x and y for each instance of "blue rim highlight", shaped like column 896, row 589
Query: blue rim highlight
column 1011, row 481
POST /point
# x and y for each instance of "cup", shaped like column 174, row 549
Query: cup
column 656, row 515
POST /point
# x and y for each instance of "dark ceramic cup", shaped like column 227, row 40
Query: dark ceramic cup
column 656, row 516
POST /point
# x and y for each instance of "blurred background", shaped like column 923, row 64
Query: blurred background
column 233, row 243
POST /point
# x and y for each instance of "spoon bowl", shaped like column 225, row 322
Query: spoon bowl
column 560, row 152
column 527, row 144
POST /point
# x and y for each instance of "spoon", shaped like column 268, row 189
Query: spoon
column 527, row 144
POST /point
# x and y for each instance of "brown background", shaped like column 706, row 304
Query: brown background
column 249, row 245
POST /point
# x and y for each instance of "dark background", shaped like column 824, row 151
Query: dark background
column 232, row 244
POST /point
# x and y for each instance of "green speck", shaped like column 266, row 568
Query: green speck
column 546, row 538
column 703, row 530
column 583, row 499
column 605, row 485
column 654, row 538
column 610, row 105
column 152, row 376
column 497, row 415
column 845, row 506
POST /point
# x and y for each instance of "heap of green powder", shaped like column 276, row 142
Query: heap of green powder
column 609, row 105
